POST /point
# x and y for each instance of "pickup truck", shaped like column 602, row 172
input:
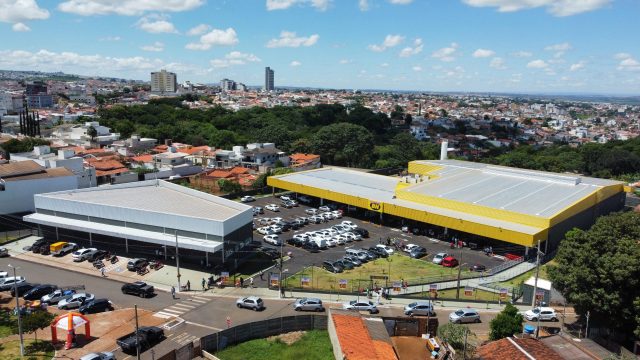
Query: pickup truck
column 139, row 288
column 147, row 337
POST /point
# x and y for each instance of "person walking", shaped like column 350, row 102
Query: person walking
column 241, row 282
column 173, row 292
column 262, row 275
column 188, row 285
column 102, row 272
column 204, row 283
column 251, row 282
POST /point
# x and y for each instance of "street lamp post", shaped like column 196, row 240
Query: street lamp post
column 178, row 262
column 280, row 278
column 15, row 290
column 458, row 287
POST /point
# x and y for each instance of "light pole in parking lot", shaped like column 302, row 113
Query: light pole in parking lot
column 15, row 291
column 178, row 262
column 280, row 279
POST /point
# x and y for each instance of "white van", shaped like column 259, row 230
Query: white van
column 322, row 243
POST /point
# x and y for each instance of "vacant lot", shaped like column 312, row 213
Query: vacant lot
column 312, row 345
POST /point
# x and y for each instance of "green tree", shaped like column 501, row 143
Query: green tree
column 36, row 320
column 508, row 322
column 229, row 187
column 454, row 334
column 599, row 271
column 343, row 144
column 92, row 132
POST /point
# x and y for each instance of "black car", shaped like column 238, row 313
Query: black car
column 39, row 291
column 418, row 252
column 478, row 268
column 22, row 288
column 378, row 251
column 333, row 267
column 147, row 337
column 346, row 264
column 137, row 264
column 294, row 242
column 38, row 245
column 96, row 306
column 97, row 255
column 363, row 232
column 370, row 254
column 311, row 246
column 139, row 288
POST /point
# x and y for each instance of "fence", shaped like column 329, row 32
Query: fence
column 186, row 352
column 260, row 330
column 506, row 265
column 7, row 236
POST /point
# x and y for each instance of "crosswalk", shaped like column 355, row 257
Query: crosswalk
column 181, row 307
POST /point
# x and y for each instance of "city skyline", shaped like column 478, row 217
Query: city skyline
column 516, row 46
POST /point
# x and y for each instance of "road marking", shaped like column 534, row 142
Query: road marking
column 183, row 306
column 204, row 326
column 173, row 311
column 163, row 315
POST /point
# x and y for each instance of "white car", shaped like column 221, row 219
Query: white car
column 81, row 255
column 340, row 229
column 9, row 282
column 361, row 305
column 285, row 198
column 75, row 301
column 544, row 313
column 349, row 224
column 276, row 229
column 302, row 237
column 353, row 235
column 266, row 230
column 272, row 239
column 337, row 214
column 272, row 207
column 99, row 356
column 327, row 216
column 341, row 239
column 324, row 208
column 311, row 211
column 386, row 248
column 276, row 220
column 3, row 274
column 407, row 248
column 438, row 258
column 246, row 199
column 317, row 219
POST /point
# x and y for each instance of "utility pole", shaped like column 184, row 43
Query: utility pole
column 459, row 273
column 135, row 310
column 535, row 285
column 15, row 290
column 178, row 261
column 280, row 278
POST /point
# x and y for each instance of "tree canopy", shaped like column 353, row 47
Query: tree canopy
column 599, row 271
column 506, row 323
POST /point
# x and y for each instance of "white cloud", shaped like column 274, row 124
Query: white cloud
column 126, row 7
column 483, row 53
column 389, row 42
column 409, row 51
column 156, row 46
column 345, row 61
column 400, row 2
column 522, row 54
column 215, row 37
column 14, row 12
column 537, row 64
column 555, row 7
column 629, row 64
column 577, row 66
column 289, row 39
column 446, row 54
column 417, row 68
column 20, row 27
column 234, row 58
column 320, row 5
column 111, row 38
column 559, row 47
column 384, row 64
column 295, row 63
column 363, row 5
column 198, row 30
column 497, row 63
column 156, row 24
column 622, row 56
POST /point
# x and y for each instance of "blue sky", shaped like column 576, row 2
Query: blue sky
column 550, row 46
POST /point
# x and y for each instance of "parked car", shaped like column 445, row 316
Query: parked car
column 9, row 282
column 285, row 198
column 136, row 264
column 96, row 306
column 81, row 255
column 462, row 316
column 363, row 232
column 478, row 268
column 378, row 251
column 449, row 261
column 65, row 249
column 311, row 247
column 324, row 208
column 147, row 336
column 345, row 264
column 99, row 356
column 75, row 301
column 4, row 252
column 349, row 224
column 39, row 246
column 332, row 267
column 304, row 199
column 308, row 304
column 250, row 302
column 286, row 205
column 386, row 248
column 272, row 207
column 418, row 252
column 22, row 288
column 96, row 255
column 311, row 211
column 258, row 210
column 352, row 259
column 39, row 291
column 542, row 313
column 361, row 305
column 139, row 288
column 4, row 274
column 272, row 239
column 246, row 199
column 438, row 258
column 407, row 248
column 419, row 308
column 57, row 295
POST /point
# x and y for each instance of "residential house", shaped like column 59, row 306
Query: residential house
column 134, row 145
column 66, row 158
column 300, row 162
column 77, row 134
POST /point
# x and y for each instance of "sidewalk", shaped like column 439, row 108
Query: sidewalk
column 164, row 278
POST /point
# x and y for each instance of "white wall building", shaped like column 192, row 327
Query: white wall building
column 164, row 82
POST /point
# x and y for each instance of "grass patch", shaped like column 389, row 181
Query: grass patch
column 396, row 266
column 5, row 331
column 313, row 345
column 40, row 350
column 479, row 295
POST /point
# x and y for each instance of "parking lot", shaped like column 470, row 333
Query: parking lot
column 377, row 234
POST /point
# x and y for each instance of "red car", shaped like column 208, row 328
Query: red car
column 449, row 261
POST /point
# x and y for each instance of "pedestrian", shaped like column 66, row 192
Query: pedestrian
column 379, row 240
column 262, row 275
column 204, row 282
column 173, row 292
column 251, row 282
column 102, row 271
column 378, row 297
column 282, row 292
column 188, row 285
column 241, row 282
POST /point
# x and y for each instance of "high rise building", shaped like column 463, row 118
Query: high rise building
column 164, row 82
column 268, row 79
column 227, row 85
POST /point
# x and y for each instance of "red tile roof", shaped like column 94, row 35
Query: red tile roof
column 356, row 342
column 223, row 174
column 111, row 172
column 303, row 158
column 107, row 165
column 142, row 158
column 239, row 170
column 505, row 349
column 195, row 149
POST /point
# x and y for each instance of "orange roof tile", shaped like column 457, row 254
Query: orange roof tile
column 219, row 174
column 239, row 170
column 356, row 342
column 384, row 350
column 195, row 149
column 297, row 157
column 107, row 165
column 142, row 158
column 111, row 172
column 504, row 349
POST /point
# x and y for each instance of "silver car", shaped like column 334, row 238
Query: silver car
column 308, row 304
column 99, row 356
column 462, row 316
column 250, row 302
column 419, row 308
column 361, row 305
column 75, row 301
